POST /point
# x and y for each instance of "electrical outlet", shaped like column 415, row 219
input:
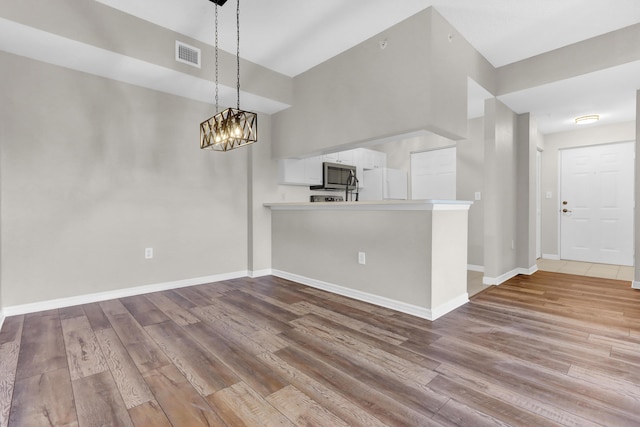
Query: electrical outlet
column 549, row 194
column 361, row 258
column 478, row 195
column 148, row 253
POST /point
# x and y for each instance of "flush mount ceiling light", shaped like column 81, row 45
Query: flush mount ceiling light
column 233, row 127
column 585, row 120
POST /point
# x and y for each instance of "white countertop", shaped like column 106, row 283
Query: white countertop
column 382, row 205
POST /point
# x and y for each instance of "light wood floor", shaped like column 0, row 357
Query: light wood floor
column 541, row 350
column 605, row 271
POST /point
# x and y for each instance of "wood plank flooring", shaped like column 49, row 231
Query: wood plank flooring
column 543, row 350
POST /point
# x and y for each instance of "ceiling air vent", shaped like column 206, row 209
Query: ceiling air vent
column 187, row 54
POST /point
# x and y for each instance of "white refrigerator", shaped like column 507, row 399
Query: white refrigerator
column 383, row 184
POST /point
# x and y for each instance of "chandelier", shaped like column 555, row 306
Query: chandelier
column 232, row 127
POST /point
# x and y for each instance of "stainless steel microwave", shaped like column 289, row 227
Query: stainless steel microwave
column 337, row 176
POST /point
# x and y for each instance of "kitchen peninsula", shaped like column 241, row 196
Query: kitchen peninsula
column 408, row 255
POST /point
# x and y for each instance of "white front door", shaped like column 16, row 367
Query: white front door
column 433, row 174
column 596, row 204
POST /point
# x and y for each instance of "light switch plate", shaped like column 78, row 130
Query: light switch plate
column 549, row 195
column 478, row 195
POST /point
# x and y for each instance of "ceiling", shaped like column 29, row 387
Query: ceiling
column 291, row 36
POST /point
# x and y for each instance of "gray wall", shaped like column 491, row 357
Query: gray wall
column 602, row 134
column 93, row 171
column 324, row 245
column 500, row 189
column 359, row 94
column 469, row 180
column 263, row 175
column 368, row 93
column 526, row 206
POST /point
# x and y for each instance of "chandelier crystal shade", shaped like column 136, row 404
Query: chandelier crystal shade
column 232, row 127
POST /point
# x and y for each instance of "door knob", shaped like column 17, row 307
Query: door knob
column 565, row 210
column 564, row 202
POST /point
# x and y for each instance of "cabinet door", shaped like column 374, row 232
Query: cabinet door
column 291, row 172
column 331, row 157
column 364, row 158
column 346, row 157
column 300, row 171
column 370, row 159
column 313, row 170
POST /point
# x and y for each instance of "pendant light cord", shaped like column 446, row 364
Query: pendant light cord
column 238, row 50
column 237, row 54
column 216, row 50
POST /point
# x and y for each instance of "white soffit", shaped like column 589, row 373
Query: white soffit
column 53, row 49
column 610, row 93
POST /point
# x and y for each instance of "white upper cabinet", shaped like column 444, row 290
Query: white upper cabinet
column 370, row 159
column 300, row 171
column 347, row 157
column 313, row 170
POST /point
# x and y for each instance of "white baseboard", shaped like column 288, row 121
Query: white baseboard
column 449, row 306
column 528, row 271
column 506, row 276
column 554, row 257
column 486, row 280
column 635, row 284
column 400, row 306
column 260, row 273
column 119, row 293
column 478, row 268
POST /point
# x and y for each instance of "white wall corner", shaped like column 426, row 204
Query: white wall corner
column 449, row 306
column 260, row 273
column 554, row 257
column 1, row 319
column 486, row 280
column 478, row 268
column 118, row 293
column 528, row 271
column 635, row 284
